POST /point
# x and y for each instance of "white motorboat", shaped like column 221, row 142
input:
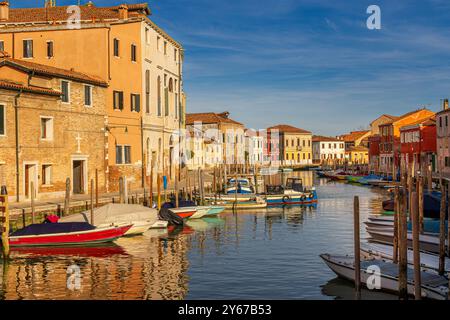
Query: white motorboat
column 433, row 286
column 141, row 218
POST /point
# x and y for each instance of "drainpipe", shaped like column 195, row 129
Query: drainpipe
column 16, row 120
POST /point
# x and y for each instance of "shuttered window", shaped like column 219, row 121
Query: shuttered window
column 65, row 90
column 2, row 120
column 87, row 95
column 118, row 100
column 28, row 48
column 116, row 47
column 135, row 102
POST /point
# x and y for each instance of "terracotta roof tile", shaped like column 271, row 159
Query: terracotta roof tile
column 288, row 129
column 51, row 71
column 7, row 84
column 209, row 118
column 353, row 136
column 323, row 138
column 59, row 13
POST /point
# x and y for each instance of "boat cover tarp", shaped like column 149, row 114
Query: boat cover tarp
column 115, row 213
column 173, row 219
column 181, row 204
column 52, row 228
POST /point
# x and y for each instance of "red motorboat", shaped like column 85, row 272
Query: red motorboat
column 184, row 212
column 65, row 234
column 92, row 251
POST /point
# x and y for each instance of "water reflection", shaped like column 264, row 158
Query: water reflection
column 270, row 253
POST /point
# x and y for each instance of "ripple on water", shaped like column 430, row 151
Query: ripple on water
column 273, row 254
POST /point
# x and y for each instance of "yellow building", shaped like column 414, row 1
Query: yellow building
column 357, row 155
column 295, row 145
column 121, row 45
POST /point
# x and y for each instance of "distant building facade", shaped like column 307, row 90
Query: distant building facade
column 328, row 150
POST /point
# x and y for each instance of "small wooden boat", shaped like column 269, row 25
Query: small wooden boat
column 65, row 234
column 354, row 178
column 200, row 211
column 293, row 193
column 141, row 218
column 184, row 212
column 215, row 210
column 433, row 286
column 242, row 186
column 428, row 242
column 428, row 261
column 257, row 203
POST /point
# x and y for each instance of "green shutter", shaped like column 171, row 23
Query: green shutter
column 166, row 97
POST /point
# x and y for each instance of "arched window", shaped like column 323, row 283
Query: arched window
column 158, row 89
column 170, row 85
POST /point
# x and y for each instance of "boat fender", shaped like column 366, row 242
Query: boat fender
column 303, row 198
column 286, row 199
column 311, row 195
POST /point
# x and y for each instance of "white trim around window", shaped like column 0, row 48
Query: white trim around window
column 48, row 130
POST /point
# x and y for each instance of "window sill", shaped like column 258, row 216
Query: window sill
column 47, row 185
column 46, row 140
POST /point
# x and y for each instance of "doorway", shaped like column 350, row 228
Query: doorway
column 78, row 176
column 31, row 180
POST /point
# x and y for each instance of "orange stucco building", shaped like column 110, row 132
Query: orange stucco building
column 111, row 43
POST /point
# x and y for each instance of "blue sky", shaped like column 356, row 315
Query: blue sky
column 309, row 63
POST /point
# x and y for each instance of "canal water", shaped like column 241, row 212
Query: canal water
column 271, row 254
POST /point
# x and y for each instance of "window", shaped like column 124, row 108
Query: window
column 116, row 47
column 158, row 89
column 133, row 53
column 127, row 154
column 46, row 174
column 2, row 120
column 28, row 48
column 158, row 43
column 175, row 54
column 123, row 154
column 118, row 100
column 166, row 101
column 147, row 91
column 2, row 45
column 147, row 36
column 440, row 122
column 46, row 128
column 135, row 102
column 49, row 49
column 165, row 47
column 119, row 155
column 176, row 105
column 65, row 90
column 88, row 96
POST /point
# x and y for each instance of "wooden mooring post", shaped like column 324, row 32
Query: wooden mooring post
column 416, row 245
column 67, row 198
column 403, row 245
column 151, row 184
column 419, row 189
column 121, row 190
column 4, row 222
column 92, row 201
column 397, row 204
column 442, row 228
column 96, row 188
column 159, row 190
column 33, row 209
column 357, row 245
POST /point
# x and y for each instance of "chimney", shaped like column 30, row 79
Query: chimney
column 89, row 4
column 445, row 104
column 4, row 11
column 123, row 12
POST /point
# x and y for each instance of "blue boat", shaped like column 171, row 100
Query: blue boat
column 293, row 193
column 241, row 187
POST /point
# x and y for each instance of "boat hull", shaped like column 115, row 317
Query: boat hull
column 184, row 213
column 95, row 236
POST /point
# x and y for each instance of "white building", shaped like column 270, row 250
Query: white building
column 328, row 150
column 254, row 147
